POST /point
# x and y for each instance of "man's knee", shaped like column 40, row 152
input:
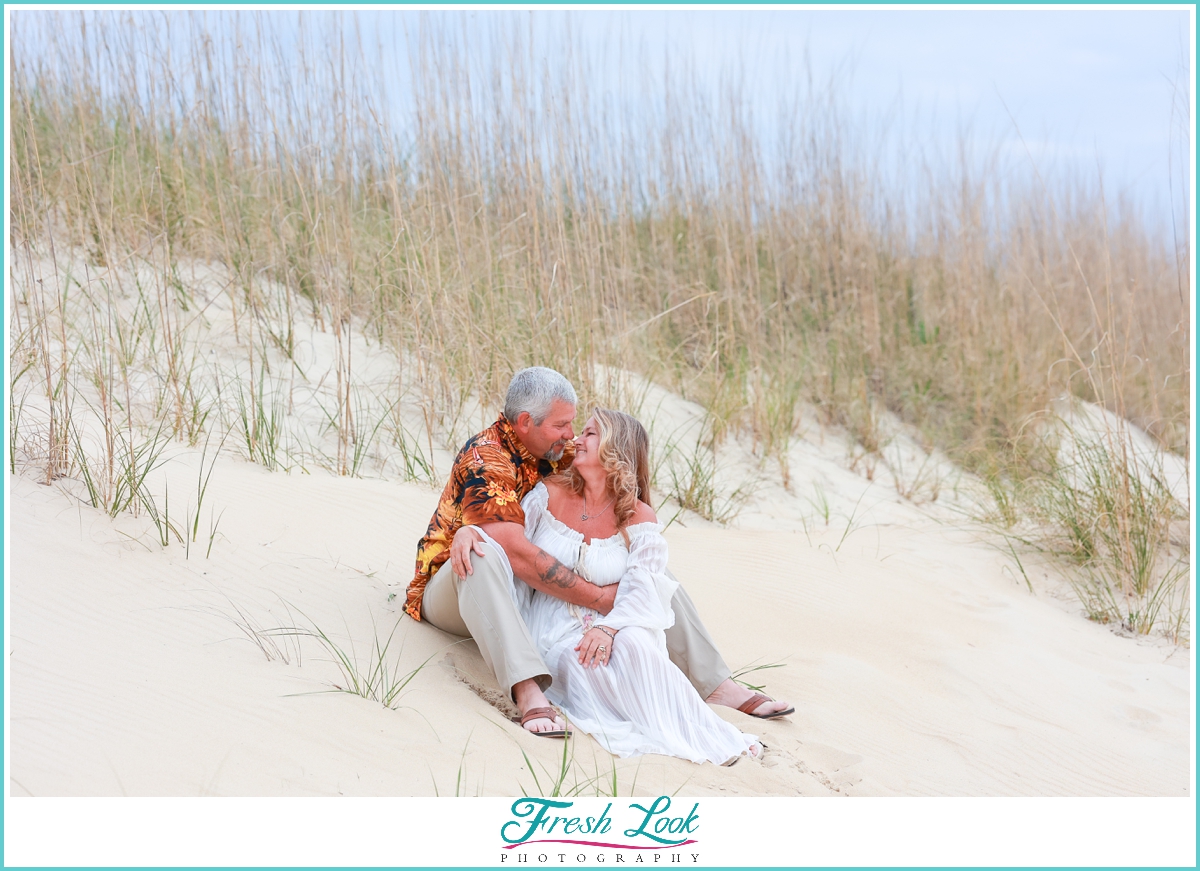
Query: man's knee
column 488, row 568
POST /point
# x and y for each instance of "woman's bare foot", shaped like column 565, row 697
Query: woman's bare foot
column 754, row 751
column 528, row 695
column 731, row 695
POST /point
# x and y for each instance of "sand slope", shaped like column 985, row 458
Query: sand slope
column 918, row 663
column 918, row 659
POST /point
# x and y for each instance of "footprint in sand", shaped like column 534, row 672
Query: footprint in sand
column 837, row 770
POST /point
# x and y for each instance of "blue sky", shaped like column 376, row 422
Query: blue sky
column 1083, row 90
column 1068, row 90
column 1085, row 85
column 1076, row 88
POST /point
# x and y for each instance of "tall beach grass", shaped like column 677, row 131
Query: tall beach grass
column 522, row 214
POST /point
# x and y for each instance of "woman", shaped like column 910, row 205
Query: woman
column 612, row 676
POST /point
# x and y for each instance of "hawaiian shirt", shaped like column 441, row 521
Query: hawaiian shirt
column 491, row 475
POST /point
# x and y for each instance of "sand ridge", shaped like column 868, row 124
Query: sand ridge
column 919, row 660
column 918, row 664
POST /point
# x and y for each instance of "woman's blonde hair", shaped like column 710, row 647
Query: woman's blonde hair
column 624, row 453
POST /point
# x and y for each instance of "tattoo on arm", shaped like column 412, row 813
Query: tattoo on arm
column 555, row 575
column 552, row 573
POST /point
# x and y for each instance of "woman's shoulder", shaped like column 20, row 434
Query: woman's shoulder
column 548, row 506
column 556, row 493
column 538, row 496
column 643, row 513
column 552, row 485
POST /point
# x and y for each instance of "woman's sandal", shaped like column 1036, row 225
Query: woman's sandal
column 748, row 706
column 542, row 714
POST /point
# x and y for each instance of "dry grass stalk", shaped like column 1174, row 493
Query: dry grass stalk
column 525, row 217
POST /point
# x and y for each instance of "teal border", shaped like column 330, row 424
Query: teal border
column 4, row 459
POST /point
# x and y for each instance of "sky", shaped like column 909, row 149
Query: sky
column 1093, row 86
column 1099, row 92
column 1089, row 89
column 1103, row 92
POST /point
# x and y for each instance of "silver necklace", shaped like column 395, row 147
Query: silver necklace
column 586, row 516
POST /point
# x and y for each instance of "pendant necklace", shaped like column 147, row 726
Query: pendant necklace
column 585, row 516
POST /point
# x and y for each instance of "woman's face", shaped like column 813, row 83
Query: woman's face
column 587, row 446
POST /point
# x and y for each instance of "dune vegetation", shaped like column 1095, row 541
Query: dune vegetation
column 523, row 214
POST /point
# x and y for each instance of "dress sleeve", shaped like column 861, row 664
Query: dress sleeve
column 644, row 595
column 534, row 506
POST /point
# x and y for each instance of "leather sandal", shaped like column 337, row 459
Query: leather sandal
column 542, row 714
column 748, row 706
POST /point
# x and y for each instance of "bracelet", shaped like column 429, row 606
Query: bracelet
column 606, row 632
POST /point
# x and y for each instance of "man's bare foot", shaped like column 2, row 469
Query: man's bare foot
column 731, row 695
column 528, row 695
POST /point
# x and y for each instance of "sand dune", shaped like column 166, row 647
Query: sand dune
column 919, row 660
column 918, row 664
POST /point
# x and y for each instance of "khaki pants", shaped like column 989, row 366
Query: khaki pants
column 482, row 607
column 691, row 648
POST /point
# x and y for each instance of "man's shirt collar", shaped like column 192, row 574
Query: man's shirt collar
column 514, row 444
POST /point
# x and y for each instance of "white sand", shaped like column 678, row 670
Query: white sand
column 918, row 660
column 917, row 663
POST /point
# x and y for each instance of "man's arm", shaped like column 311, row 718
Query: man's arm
column 546, row 574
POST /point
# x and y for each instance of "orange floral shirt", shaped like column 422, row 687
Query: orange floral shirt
column 491, row 475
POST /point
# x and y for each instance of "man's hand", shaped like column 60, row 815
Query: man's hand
column 546, row 574
column 466, row 540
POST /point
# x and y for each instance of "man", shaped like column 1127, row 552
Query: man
column 462, row 587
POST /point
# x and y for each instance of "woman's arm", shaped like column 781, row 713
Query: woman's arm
column 644, row 593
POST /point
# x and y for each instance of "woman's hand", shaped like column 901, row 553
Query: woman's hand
column 595, row 647
column 465, row 540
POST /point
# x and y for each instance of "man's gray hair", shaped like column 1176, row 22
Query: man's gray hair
column 534, row 390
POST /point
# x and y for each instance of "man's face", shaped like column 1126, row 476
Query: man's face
column 548, row 438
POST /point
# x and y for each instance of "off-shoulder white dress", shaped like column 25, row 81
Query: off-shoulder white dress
column 640, row 702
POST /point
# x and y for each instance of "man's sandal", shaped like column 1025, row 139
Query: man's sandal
column 748, row 706
column 542, row 714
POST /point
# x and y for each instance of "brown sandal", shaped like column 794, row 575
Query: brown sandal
column 542, row 714
column 748, row 706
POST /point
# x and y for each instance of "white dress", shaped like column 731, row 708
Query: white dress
column 640, row 702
